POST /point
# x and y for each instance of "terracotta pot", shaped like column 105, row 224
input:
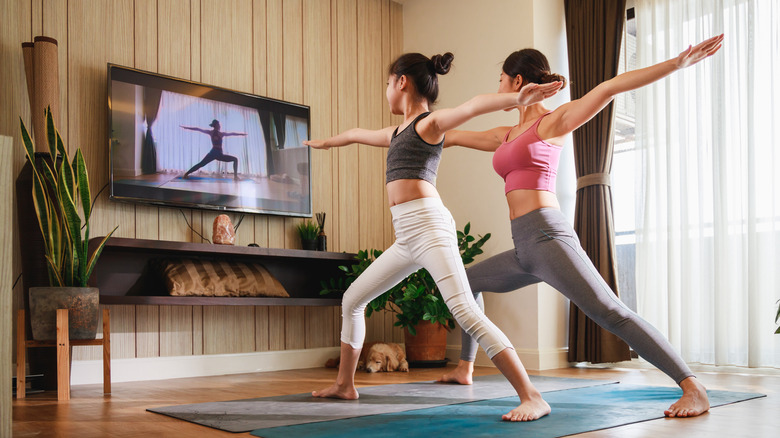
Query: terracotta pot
column 83, row 311
column 430, row 343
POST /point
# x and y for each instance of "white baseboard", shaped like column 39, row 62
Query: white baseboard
column 159, row 368
column 536, row 360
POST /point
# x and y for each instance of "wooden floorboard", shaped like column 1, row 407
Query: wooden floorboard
column 122, row 414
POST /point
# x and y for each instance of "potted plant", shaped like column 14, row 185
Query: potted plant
column 417, row 302
column 59, row 187
column 308, row 232
column 777, row 318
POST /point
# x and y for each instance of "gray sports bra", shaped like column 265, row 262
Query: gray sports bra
column 411, row 157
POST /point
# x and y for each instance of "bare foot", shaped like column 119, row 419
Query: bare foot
column 336, row 391
column 461, row 374
column 529, row 410
column 693, row 402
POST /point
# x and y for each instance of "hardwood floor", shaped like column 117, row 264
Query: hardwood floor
column 122, row 414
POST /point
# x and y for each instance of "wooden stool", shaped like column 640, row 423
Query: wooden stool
column 64, row 348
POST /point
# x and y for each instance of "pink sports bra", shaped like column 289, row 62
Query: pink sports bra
column 527, row 162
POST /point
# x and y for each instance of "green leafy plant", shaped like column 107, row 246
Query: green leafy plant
column 416, row 298
column 57, row 191
column 308, row 230
column 777, row 318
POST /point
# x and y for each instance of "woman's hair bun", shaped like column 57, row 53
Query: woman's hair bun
column 441, row 63
column 553, row 77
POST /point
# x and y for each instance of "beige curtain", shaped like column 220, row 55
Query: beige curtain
column 593, row 31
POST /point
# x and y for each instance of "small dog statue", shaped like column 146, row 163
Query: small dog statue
column 378, row 357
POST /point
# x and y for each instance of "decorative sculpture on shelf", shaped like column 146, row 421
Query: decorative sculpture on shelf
column 223, row 233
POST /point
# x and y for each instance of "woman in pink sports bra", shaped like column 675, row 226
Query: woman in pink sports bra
column 546, row 247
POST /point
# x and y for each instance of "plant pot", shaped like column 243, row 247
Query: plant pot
column 309, row 244
column 429, row 346
column 83, row 311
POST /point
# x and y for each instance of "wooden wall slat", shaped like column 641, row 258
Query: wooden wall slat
column 347, row 118
column 261, row 328
column 317, row 78
column 228, row 329
column 176, row 334
column 147, row 331
column 55, row 25
column 276, row 328
column 122, row 332
column 146, row 55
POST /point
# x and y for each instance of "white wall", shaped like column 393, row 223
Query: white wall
column 481, row 35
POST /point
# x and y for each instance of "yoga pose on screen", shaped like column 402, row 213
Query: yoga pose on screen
column 424, row 229
column 546, row 247
column 216, row 148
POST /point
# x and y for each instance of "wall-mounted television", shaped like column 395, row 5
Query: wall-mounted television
column 180, row 143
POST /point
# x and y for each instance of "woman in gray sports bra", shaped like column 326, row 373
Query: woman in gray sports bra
column 424, row 228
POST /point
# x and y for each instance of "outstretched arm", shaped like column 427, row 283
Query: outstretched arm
column 487, row 141
column 443, row 120
column 574, row 114
column 240, row 134
column 193, row 128
column 380, row 138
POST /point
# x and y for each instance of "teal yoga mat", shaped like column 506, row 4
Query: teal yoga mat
column 573, row 411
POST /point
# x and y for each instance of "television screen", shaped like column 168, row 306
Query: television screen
column 186, row 144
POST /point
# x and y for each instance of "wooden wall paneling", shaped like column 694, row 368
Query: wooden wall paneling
column 276, row 328
column 337, row 325
column 146, row 39
column 6, row 282
column 122, row 332
column 13, row 97
column 174, row 52
column 293, row 91
column 55, row 25
column 275, row 89
column 228, row 329
column 370, row 88
column 261, row 329
column 176, row 330
column 396, row 49
column 317, row 79
column 147, row 331
column 226, row 61
column 348, row 210
column 319, row 327
column 197, row 329
column 147, row 324
column 97, row 33
column 294, row 327
column 196, row 73
column 292, row 84
column 370, row 159
column 37, row 18
column 259, row 84
column 387, row 119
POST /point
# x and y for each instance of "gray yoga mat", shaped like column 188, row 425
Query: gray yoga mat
column 285, row 410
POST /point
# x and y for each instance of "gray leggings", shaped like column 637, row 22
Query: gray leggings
column 547, row 249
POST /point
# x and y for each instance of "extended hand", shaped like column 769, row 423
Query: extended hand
column 692, row 55
column 316, row 144
column 533, row 93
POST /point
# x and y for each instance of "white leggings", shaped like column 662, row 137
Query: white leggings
column 425, row 237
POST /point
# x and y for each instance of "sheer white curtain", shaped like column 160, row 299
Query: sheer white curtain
column 179, row 149
column 708, row 216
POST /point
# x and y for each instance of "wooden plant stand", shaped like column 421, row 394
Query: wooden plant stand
column 64, row 349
